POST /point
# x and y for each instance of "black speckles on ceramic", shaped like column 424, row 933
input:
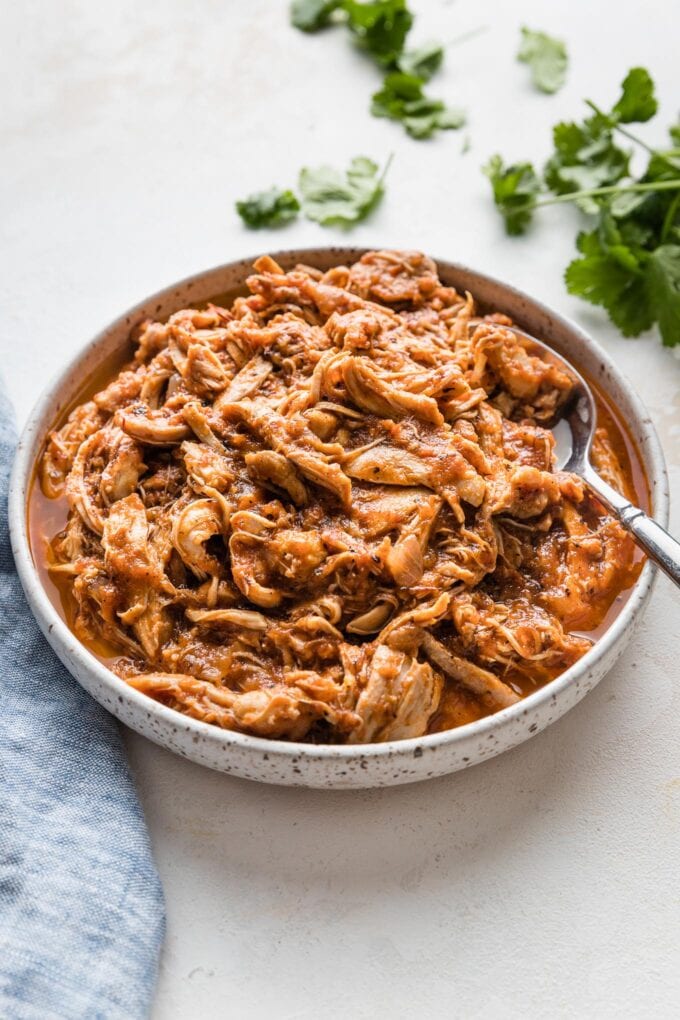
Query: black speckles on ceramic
column 274, row 761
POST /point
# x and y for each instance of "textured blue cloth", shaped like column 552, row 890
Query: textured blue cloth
column 81, row 906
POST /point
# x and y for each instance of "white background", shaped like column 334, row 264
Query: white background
column 543, row 883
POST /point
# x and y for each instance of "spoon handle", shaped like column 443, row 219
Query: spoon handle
column 661, row 547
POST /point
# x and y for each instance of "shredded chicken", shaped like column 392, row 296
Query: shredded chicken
column 331, row 512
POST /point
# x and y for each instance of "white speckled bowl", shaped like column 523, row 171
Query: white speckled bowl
column 274, row 761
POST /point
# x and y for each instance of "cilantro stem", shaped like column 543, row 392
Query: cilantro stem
column 648, row 148
column 388, row 164
column 612, row 189
column 669, row 218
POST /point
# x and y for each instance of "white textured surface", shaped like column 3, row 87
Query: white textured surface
column 544, row 883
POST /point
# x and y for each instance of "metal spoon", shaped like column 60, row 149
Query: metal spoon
column 575, row 429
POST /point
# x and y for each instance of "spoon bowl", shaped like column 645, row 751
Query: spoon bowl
column 574, row 429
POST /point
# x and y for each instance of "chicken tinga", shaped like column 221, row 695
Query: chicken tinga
column 331, row 511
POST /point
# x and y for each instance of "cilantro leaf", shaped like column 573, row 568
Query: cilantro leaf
column 331, row 198
column 402, row 98
column 627, row 271
column 270, row 208
column 585, row 156
column 311, row 15
column 663, row 290
column 638, row 102
column 398, row 89
column 422, row 62
column 655, row 212
column 515, row 188
column 380, row 26
column 547, row 58
column 613, row 278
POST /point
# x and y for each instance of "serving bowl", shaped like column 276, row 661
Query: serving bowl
column 299, row 764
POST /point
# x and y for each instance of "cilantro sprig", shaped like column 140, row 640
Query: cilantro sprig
column 326, row 196
column 629, row 261
column 380, row 28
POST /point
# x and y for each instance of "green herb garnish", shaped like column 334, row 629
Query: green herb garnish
column 422, row 62
column 381, row 27
column 402, row 98
column 514, row 191
column 637, row 102
column 547, row 58
column 333, row 199
column 311, row 15
column 629, row 263
column 326, row 196
column 270, row 208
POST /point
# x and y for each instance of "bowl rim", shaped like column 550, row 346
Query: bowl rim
column 56, row 628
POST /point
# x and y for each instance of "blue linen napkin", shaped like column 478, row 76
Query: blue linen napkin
column 81, row 905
